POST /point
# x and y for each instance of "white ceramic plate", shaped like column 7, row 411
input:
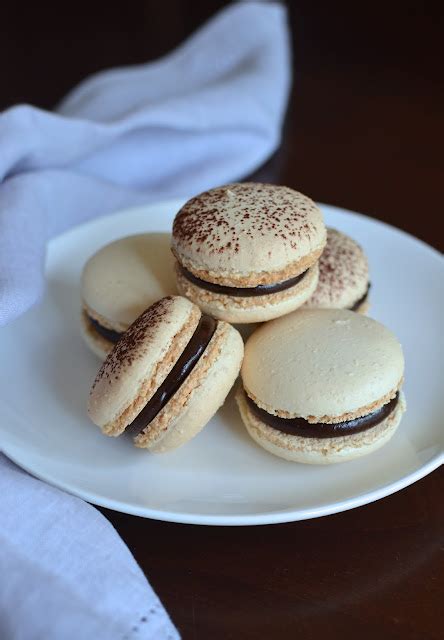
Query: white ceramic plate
column 221, row 477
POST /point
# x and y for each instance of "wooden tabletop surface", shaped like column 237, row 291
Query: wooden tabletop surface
column 364, row 131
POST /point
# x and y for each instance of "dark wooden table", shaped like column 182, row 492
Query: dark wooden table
column 364, row 131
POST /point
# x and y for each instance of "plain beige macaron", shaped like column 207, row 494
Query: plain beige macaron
column 167, row 375
column 120, row 281
column 343, row 275
column 322, row 386
column 248, row 252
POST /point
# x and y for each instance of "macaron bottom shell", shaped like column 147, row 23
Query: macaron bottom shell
column 249, row 309
column 364, row 307
column 319, row 450
column 199, row 397
column 96, row 343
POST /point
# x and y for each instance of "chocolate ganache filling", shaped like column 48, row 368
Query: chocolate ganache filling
column 178, row 374
column 305, row 429
column 108, row 334
column 358, row 303
column 242, row 292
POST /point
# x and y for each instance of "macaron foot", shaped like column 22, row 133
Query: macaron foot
column 319, row 450
column 244, row 310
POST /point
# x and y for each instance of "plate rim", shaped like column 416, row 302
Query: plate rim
column 273, row 517
column 179, row 201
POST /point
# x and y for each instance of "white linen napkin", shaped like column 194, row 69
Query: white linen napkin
column 65, row 574
column 208, row 113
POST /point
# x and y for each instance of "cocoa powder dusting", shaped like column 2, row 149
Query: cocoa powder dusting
column 342, row 267
column 139, row 334
column 228, row 218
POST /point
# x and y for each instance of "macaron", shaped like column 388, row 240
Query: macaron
column 248, row 252
column 119, row 282
column 166, row 376
column 322, row 385
column 343, row 275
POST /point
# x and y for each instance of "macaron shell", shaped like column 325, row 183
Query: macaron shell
column 364, row 308
column 125, row 277
column 322, row 364
column 96, row 343
column 320, row 450
column 343, row 273
column 247, row 231
column 246, row 310
column 200, row 396
column 140, row 361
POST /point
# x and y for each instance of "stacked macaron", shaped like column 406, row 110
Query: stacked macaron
column 248, row 252
column 320, row 382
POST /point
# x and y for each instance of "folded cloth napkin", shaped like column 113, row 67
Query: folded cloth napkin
column 64, row 571
column 208, row 113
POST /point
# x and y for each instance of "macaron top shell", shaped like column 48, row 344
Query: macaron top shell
column 319, row 364
column 343, row 273
column 258, row 232
column 138, row 356
column 126, row 276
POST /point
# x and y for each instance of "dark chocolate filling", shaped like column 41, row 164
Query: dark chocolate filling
column 301, row 427
column 108, row 334
column 358, row 303
column 242, row 292
column 178, row 374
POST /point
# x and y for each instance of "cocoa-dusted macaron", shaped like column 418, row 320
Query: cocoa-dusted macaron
column 343, row 275
column 248, row 252
column 119, row 282
column 322, row 386
column 167, row 375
